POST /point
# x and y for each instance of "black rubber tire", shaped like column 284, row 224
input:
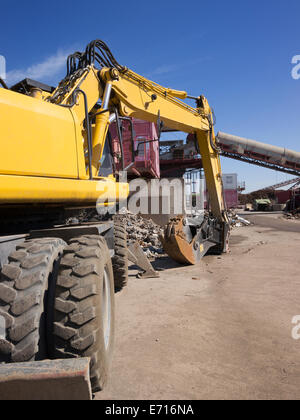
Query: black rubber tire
column 23, row 299
column 78, row 328
column 120, row 259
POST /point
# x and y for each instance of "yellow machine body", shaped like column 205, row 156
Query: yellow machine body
column 49, row 156
column 42, row 155
column 37, row 138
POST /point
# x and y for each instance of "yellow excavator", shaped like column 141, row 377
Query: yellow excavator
column 58, row 278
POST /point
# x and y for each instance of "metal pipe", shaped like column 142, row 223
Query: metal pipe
column 88, row 131
column 119, row 131
column 240, row 145
column 106, row 97
column 128, row 167
column 112, row 118
column 101, row 128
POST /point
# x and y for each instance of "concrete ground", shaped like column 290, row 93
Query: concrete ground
column 219, row 330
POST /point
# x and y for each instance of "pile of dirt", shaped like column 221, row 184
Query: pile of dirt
column 257, row 195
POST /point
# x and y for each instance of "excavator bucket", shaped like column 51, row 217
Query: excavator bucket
column 179, row 243
column 187, row 240
column 67, row 379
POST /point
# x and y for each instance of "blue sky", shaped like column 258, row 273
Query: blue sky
column 237, row 53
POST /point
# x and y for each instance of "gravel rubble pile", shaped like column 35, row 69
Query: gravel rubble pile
column 145, row 231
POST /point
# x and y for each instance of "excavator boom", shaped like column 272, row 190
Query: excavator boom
column 125, row 94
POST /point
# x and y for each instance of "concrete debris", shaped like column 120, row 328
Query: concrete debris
column 141, row 230
column 145, row 232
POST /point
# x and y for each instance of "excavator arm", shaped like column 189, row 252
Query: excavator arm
column 140, row 98
column 99, row 91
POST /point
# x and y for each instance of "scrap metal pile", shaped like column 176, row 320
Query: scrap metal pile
column 145, row 232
